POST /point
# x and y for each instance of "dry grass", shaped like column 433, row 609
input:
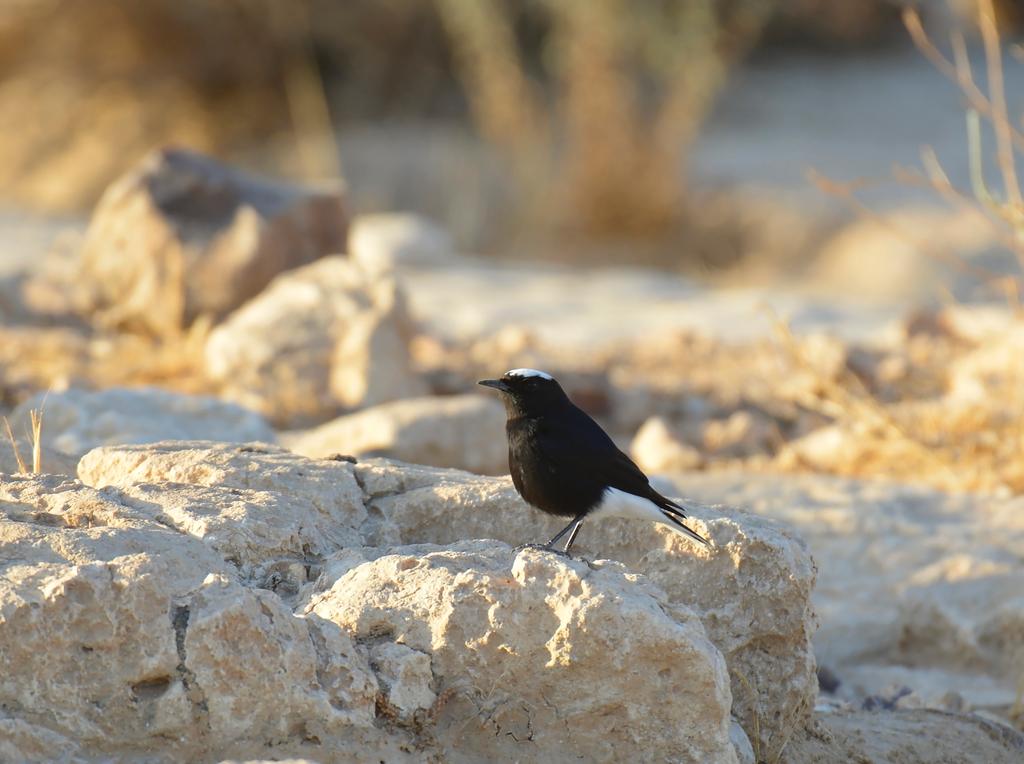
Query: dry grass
column 22, row 469
column 599, row 129
column 35, row 438
column 976, row 444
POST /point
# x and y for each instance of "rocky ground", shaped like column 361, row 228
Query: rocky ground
column 272, row 521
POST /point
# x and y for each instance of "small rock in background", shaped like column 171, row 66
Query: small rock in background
column 827, row 680
column 182, row 235
column 320, row 338
column 994, row 368
column 462, row 431
column 743, row 433
column 383, row 243
column 656, row 448
column 76, row 421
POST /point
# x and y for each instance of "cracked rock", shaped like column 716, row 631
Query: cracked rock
column 540, row 658
column 121, row 636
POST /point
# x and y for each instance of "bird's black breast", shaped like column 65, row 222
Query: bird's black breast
column 544, row 458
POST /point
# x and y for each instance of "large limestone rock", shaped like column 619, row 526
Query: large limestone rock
column 269, row 512
column 217, row 601
column 182, row 235
column 123, row 637
column 76, row 421
column 159, row 639
column 751, row 591
column 567, row 659
column 318, row 339
column 462, row 431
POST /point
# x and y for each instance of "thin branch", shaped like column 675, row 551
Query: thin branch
column 975, row 97
column 997, row 95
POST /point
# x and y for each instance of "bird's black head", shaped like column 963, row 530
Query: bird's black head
column 528, row 392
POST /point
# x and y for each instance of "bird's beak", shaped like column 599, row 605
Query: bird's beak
column 497, row 384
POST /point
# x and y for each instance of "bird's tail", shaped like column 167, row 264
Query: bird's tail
column 674, row 517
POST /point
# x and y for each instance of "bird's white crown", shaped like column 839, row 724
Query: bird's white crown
column 528, row 373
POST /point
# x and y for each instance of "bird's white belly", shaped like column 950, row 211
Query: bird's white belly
column 616, row 503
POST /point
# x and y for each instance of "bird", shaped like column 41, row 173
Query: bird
column 564, row 464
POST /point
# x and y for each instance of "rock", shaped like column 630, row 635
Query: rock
column 462, row 431
column 182, row 235
column 976, row 323
column 664, row 446
column 319, row 338
column 157, row 612
column 76, row 421
column 743, row 433
column 269, row 512
column 937, row 603
column 154, row 647
column 566, row 659
column 657, row 448
column 741, row 743
column 898, row 243
column 905, row 737
column 994, row 369
column 382, row 243
column 752, row 590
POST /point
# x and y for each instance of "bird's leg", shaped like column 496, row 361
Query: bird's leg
column 574, row 526
column 572, row 536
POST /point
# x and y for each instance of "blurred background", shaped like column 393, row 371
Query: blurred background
column 676, row 134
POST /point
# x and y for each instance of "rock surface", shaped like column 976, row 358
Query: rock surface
column 461, row 431
column 146, row 632
column 182, row 235
column 567, row 659
column 76, row 421
column 320, row 338
column 146, row 596
column 906, row 737
column 752, row 591
column 153, row 591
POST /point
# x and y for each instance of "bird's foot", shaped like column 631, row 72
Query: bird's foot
column 544, row 548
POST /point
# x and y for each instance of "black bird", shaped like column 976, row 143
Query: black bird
column 564, row 464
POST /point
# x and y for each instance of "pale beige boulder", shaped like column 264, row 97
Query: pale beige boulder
column 133, row 639
column 269, row 512
column 539, row 658
column 318, row 339
column 657, row 447
column 462, row 431
column 182, row 235
column 385, row 242
column 76, row 421
column 752, row 589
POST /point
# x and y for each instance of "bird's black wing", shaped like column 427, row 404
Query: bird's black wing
column 579, row 447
